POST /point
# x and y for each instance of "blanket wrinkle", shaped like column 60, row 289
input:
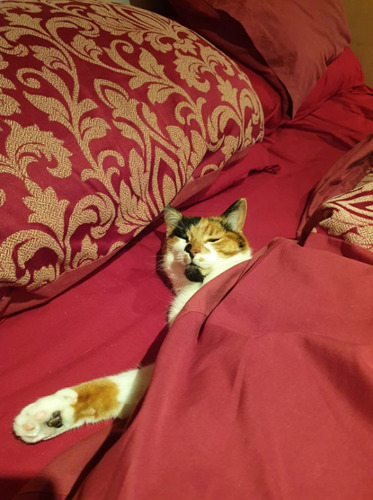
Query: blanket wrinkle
column 281, row 410
column 342, row 362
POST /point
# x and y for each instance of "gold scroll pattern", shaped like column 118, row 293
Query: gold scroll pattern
column 352, row 214
column 131, row 140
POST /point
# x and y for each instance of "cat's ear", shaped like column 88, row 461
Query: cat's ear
column 235, row 215
column 172, row 218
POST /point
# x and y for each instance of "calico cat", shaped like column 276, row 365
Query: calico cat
column 196, row 250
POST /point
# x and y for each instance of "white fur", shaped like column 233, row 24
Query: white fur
column 132, row 386
column 31, row 424
column 174, row 262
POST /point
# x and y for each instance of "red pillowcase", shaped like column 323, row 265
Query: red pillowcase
column 344, row 73
column 290, row 42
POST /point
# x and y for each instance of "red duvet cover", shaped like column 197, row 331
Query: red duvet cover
column 262, row 389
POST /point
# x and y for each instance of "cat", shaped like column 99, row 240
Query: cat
column 196, row 250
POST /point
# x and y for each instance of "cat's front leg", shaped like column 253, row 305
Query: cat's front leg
column 90, row 402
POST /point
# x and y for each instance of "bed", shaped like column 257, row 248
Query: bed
column 263, row 387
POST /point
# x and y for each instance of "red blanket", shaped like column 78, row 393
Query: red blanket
column 263, row 389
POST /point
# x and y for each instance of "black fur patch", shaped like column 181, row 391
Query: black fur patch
column 232, row 208
column 184, row 224
column 193, row 273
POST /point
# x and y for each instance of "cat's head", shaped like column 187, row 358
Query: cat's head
column 198, row 246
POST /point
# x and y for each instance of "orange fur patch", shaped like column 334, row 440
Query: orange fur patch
column 96, row 399
column 229, row 243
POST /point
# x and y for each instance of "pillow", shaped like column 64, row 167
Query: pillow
column 341, row 205
column 270, row 99
column 108, row 111
column 288, row 41
column 342, row 74
column 349, row 216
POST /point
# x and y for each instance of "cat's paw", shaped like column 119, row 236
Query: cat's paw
column 47, row 417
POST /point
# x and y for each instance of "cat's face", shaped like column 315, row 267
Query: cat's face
column 197, row 246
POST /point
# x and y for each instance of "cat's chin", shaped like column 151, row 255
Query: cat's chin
column 193, row 273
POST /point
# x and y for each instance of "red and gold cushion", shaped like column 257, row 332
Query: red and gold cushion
column 341, row 204
column 108, row 113
column 349, row 216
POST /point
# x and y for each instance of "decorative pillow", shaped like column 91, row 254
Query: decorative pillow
column 343, row 176
column 108, row 111
column 288, row 41
column 341, row 204
column 349, row 216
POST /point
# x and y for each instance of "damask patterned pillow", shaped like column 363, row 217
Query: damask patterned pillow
column 107, row 113
column 341, row 204
column 349, row 216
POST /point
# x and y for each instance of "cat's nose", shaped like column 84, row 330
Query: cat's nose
column 192, row 250
column 188, row 249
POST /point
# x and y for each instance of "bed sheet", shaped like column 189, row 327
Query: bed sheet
column 116, row 318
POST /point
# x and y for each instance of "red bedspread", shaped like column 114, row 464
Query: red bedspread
column 263, row 389
column 108, row 323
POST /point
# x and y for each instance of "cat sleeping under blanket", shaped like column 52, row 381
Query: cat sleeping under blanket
column 197, row 249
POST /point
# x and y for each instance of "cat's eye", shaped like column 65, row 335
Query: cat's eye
column 213, row 240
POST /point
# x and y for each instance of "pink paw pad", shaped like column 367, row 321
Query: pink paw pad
column 28, row 427
column 40, row 416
